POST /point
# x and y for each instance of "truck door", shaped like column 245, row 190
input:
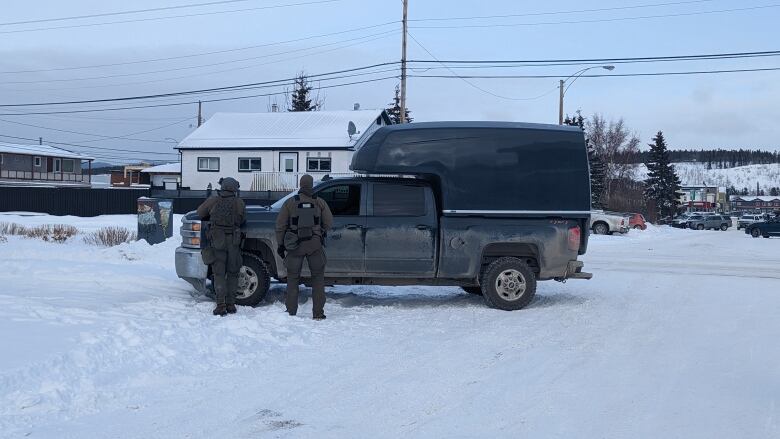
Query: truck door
column 345, row 244
column 401, row 230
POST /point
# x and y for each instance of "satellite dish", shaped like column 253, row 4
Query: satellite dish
column 351, row 129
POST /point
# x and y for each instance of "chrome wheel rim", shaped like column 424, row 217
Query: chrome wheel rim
column 247, row 282
column 510, row 285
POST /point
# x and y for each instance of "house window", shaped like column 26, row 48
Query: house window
column 318, row 164
column 68, row 166
column 57, row 165
column 208, row 164
column 249, row 165
column 37, row 162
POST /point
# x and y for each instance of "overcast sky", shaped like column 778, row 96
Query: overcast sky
column 726, row 110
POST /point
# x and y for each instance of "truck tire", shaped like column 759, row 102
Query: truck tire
column 724, row 227
column 508, row 283
column 473, row 290
column 253, row 281
column 755, row 232
column 600, row 228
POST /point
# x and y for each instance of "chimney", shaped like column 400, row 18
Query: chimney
column 356, row 107
column 274, row 108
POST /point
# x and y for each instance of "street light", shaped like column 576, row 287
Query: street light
column 171, row 139
column 575, row 76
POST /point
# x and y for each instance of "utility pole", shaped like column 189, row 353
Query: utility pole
column 403, row 65
column 40, row 140
column 200, row 118
column 560, row 104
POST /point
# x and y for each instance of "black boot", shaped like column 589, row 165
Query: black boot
column 231, row 308
column 220, row 310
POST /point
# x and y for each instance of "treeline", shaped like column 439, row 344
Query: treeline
column 713, row 158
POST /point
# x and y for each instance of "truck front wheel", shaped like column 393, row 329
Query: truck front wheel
column 253, row 281
column 508, row 283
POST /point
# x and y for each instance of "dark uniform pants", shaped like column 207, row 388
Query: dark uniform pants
column 314, row 254
column 226, row 267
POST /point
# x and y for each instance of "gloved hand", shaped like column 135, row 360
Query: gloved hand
column 281, row 251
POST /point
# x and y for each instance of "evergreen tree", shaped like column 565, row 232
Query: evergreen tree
column 300, row 98
column 598, row 170
column 394, row 108
column 662, row 184
column 775, row 192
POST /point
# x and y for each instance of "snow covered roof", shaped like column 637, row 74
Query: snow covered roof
column 303, row 129
column 754, row 198
column 44, row 150
column 168, row 168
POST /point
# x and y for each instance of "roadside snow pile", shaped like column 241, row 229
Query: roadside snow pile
column 673, row 337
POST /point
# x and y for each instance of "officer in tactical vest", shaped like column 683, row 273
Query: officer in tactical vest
column 226, row 213
column 301, row 227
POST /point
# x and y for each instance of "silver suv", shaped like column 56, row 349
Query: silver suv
column 701, row 222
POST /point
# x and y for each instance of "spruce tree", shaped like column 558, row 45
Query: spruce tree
column 300, row 98
column 598, row 170
column 394, row 108
column 662, row 184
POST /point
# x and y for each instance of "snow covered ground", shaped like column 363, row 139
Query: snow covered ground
column 675, row 336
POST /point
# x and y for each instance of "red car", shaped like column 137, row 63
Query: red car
column 636, row 221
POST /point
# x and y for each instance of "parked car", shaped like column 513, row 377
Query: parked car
column 636, row 221
column 746, row 220
column 459, row 220
column 681, row 221
column 607, row 223
column 767, row 228
column 701, row 222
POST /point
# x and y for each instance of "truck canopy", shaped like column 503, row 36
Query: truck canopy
column 487, row 167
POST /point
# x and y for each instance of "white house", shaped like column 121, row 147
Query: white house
column 269, row 151
column 163, row 176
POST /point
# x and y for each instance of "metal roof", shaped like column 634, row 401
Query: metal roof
column 42, row 150
column 301, row 130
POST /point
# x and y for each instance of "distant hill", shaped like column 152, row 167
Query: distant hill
column 767, row 176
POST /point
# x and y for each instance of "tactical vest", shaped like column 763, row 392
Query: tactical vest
column 223, row 214
column 304, row 218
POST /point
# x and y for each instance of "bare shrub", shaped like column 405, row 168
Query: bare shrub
column 110, row 236
column 12, row 229
column 3, row 239
column 52, row 232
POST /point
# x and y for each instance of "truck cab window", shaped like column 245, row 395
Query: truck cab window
column 343, row 200
column 399, row 200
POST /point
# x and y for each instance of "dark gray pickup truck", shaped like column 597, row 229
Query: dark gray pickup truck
column 491, row 207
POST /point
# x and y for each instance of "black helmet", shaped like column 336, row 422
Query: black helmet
column 229, row 184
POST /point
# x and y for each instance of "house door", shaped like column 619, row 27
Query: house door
column 288, row 161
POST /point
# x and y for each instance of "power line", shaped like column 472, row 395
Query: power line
column 214, row 52
column 101, row 137
column 361, row 39
column 193, row 102
column 475, row 86
column 32, row 148
column 108, row 14
column 610, row 75
column 199, row 14
column 565, row 12
column 599, row 20
column 199, row 91
column 725, row 55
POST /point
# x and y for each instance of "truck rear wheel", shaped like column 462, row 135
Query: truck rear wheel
column 253, row 281
column 508, row 283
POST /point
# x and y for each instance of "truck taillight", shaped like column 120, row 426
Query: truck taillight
column 575, row 234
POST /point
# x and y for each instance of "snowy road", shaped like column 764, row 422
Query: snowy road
column 676, row 336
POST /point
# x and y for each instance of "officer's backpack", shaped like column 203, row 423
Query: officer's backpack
column 224, row 213
column 305, row 216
